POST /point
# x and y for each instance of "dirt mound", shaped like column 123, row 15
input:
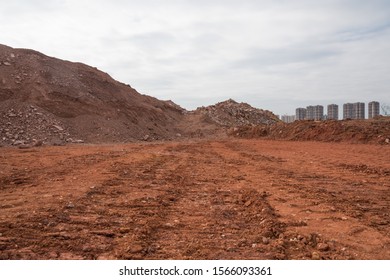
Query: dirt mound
column 52, row 101
column 58, row 101
column 375, row 131
column 231, row 113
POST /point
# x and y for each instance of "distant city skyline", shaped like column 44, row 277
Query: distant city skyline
column 356, row 110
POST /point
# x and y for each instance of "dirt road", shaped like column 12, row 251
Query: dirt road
column 231, row 199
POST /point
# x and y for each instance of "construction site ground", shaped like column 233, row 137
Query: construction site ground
column 205, row 199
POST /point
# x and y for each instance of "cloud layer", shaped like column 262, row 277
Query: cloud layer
column 276, row 55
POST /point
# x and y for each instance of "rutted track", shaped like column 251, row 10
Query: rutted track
column 240, row 199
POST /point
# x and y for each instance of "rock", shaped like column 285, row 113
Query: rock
column 7, row 63
column 315, row 256
column 58, row 127
column 70, row 205
column 135, row 249
column 265, row 240
column 323, row 247
column 146, row 137
column 18, row 142
column 248, row 203
column 37, row 143
column 387, row 141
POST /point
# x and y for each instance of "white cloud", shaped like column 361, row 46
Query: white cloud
column 280, row 54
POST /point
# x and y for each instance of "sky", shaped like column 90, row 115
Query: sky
column 273, row 54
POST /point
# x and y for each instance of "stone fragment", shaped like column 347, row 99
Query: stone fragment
column 58, row 127
column 323, row 247
column 315, row 256
column 70, row 205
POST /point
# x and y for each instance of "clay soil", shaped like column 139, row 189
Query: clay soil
column 227, row 199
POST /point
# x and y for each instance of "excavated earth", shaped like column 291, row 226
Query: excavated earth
column 204, row 199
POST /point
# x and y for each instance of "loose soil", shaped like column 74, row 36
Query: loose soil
column 204, row 199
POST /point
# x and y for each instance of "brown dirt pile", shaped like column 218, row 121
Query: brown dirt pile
column 230, row 113
column 56, row 101
column 52, row 101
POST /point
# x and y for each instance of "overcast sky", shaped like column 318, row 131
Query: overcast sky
column 276, row 54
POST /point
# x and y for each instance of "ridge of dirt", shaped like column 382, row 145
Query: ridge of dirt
column 373, row 131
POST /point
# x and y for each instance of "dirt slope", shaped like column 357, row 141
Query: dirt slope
column 60, row 101
column 232, row 199
column 52, row 101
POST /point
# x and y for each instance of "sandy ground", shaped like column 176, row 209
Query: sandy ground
column 230, row 199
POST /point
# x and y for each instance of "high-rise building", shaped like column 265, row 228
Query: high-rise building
column 348, row 111
column 318, row 113
column 354, row 110
column 373, row 109
column 288, row 119
column 315, row 113
column 333, row 112
column 300, row 114
column 358, row 110
column 310, row 112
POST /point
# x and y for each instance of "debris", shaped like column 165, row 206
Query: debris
column 315, row 256
column 265, row 240
column 230, row 113
column 323, row 247
column 70, row 205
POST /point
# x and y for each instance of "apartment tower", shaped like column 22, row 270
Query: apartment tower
column 333, row 112
column 373, row 109
column 300, row 114
column 359, row 111
column 348, row 111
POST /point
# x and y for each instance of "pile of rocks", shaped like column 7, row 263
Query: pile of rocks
column 28, row 125
column 231, row 113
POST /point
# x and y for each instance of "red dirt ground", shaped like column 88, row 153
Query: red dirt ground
column 228, row 199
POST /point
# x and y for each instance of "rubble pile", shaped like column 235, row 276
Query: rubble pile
column 57, row 101
column 231, row 113
column 31, row 126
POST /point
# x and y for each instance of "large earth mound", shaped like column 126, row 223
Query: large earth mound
column 45, row 100
column 56, row 101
